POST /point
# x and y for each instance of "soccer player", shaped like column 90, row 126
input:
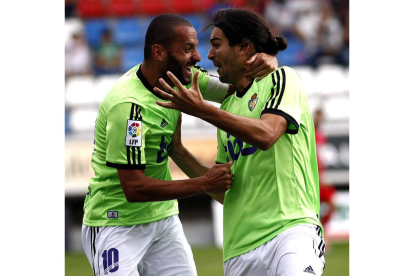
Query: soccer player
column 130, row 223
column 271, row 213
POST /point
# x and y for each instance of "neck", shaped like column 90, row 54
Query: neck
column 242, row 83
column 153, row 72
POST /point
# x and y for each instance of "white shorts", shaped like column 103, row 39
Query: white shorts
column 297, row 251
column 157, row 248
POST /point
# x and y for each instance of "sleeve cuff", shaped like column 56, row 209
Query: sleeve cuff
column 125, row 166
column 290, row 119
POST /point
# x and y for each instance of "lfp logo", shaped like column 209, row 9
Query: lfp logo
column 133, row 137
column 134, row 130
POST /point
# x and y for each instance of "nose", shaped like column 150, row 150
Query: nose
column 210, row 55
column 196, row 56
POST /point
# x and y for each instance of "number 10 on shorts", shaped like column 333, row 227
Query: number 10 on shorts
column 110, row 259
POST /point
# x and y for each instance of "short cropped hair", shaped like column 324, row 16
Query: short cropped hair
column 161, row 31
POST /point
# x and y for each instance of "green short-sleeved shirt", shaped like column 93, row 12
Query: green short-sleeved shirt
column 131, row 132
column 275, row 189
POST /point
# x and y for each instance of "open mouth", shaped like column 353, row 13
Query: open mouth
column 188, row 67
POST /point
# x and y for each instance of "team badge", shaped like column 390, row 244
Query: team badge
column 253, row 102
column 133, row 134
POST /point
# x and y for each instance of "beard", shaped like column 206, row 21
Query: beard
column 175, row 67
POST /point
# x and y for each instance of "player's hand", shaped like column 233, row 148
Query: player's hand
column 261, row 65
column 189, row 101
column 219, row 178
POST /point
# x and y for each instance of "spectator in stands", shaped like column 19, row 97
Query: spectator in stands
column 341, row 8
column 70, row 8
column 107, row 56
column 257, row 6
column 326, row 190
column 219, row 4
column 281, row 16
column 345, row 37
column 321, row 31
column 78, row 57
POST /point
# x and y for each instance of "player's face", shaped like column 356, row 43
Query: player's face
column 224, row 57
column 183, row 54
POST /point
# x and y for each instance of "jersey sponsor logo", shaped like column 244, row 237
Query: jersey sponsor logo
column 253, row 102
column 164, row 148
column 134, row 133
column 164, row 123
column 236, row 149
column 112, row 214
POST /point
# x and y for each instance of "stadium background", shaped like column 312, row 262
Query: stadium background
column 327, row 81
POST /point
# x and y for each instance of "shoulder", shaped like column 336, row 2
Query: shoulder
column 284, row 76
column 198, row 68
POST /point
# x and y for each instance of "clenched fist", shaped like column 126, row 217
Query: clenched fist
column 219, row 178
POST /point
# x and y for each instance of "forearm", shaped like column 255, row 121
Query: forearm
column 252, row 131
column 187, row 162
column 150, row 189
column 192, row 167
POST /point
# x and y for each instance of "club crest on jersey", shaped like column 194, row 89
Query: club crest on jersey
column 133, row 137
column 253, row 102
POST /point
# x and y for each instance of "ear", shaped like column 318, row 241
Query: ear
column 245, row 47
column 159, row 52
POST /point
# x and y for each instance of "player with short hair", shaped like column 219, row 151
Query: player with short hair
column 130, row 223
column 271, row 213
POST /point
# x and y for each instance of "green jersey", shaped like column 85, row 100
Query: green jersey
column 275, row 189
column 131, row 132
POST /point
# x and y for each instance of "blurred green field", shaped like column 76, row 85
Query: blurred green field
column 209, row 262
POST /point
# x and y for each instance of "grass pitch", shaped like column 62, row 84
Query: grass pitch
column 209, row 262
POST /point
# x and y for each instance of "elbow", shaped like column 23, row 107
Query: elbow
column 266, row 142
column 133, row 194
column 130, row 199
column 264, row 147
column 136, row 198
column 130, row 196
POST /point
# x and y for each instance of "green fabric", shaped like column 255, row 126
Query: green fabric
column 131, row 101
column 276, row 189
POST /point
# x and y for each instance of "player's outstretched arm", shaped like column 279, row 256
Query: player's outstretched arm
column 140, row 188
column 261, row 133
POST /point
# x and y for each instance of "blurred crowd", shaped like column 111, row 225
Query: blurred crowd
column 321, row 26
column 317, row 32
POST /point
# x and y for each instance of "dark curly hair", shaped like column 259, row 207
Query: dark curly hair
column 240, row 24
